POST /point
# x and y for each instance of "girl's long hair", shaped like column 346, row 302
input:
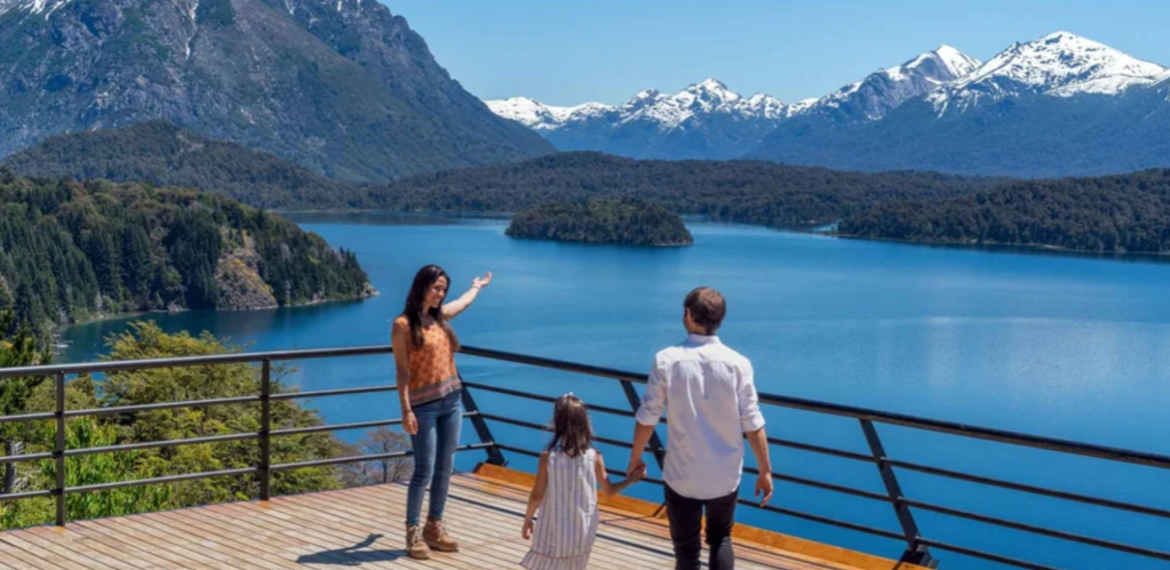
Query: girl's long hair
column 572, row 432
column 423, row 281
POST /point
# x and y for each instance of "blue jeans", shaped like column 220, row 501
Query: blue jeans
column 434, row 446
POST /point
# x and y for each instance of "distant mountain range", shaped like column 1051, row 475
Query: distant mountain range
column 342, row 87
column 1059, row 105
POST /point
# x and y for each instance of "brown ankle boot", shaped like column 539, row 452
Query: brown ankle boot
column 436, row 537
column 416, row 546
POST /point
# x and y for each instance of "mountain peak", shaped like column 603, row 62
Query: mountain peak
column 885, row 89
column 1060, row 64
column 709, row 84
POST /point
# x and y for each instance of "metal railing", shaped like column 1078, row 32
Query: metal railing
column 917, row 546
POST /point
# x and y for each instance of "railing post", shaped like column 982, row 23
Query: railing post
column 495, row 456
column 916, row 552
column 59, row 450
column 265, row 430
column 656, row 447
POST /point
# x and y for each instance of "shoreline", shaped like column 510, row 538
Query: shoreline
column 1019, row 248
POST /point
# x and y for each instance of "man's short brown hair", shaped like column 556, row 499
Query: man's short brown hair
column 707, row 308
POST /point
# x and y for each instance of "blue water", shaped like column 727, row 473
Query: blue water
column 1061, row 346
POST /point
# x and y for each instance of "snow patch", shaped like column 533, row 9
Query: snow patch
column 46, row 7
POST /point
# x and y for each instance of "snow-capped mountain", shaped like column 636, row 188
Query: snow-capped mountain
column 705, row 120
column 708, row 120
column 668, row 110
column 1060, row 105
column 45, row 7
column 884, row 90
column 1061, row 64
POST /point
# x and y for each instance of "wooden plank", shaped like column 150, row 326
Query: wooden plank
column 63, row 542
column 113, row 531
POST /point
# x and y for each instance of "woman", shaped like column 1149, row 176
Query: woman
column 429, row 391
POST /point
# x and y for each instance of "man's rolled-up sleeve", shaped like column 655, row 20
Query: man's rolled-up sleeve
column 654, row 400
column 750, row 416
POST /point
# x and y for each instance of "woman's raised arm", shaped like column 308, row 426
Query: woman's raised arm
column 452, row 309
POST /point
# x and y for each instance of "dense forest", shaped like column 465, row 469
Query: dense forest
column 70, row 251
column 1123, row 213
column 159, row 153
column 741, row 191
column 620, row 221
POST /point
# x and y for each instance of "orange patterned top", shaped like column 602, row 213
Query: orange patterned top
column 432, row 367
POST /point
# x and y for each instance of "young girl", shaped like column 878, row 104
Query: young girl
column 569, row 471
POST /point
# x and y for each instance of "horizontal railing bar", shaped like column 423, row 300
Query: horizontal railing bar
column 155, row 444
column 1087, row 499
column 339, row 392
column 162, row 406
column 1122, row 547
column 985, row 555
column 365, row 458
column 27, row 417
column 540, row 398
column 562, row 365
column 822, row 450
column 336, row 427
column 235, row 358
column 539, row 427
column 826, row 486
column 161, row 480
column 26, row 457
column 953, row 428
column 27, row 495
column 349, row 426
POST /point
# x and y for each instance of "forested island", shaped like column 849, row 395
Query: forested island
column 72, row 251
column 1128, row 213
column 627, row 221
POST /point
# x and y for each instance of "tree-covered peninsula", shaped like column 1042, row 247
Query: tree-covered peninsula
column 614, row 221
column 72, row 251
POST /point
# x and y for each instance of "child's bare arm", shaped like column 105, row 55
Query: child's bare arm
column 609, row 488
column 536, row 496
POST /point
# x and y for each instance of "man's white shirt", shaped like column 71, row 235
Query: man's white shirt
column 710, row 400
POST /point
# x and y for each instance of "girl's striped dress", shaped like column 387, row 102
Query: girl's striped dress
column 566, row 523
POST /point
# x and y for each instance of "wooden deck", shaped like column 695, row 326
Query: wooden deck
column 363, row 528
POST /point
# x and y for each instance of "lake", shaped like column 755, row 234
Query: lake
column 1061, row 346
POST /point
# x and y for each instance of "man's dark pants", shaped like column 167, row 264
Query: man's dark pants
column 686, row 525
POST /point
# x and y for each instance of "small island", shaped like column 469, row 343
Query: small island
column 626, row 221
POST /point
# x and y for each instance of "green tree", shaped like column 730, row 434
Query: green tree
column 19, row 349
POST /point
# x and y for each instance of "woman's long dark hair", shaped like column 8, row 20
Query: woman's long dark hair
column 423, row 281
column 572, row 432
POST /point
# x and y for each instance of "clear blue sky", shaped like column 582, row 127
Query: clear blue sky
column 564, row 52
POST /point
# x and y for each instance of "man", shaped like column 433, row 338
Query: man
column 710, row 400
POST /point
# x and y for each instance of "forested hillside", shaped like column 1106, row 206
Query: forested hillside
column 159, row 153
column 1124, row 213
column 741, row 191
column 71, row 251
